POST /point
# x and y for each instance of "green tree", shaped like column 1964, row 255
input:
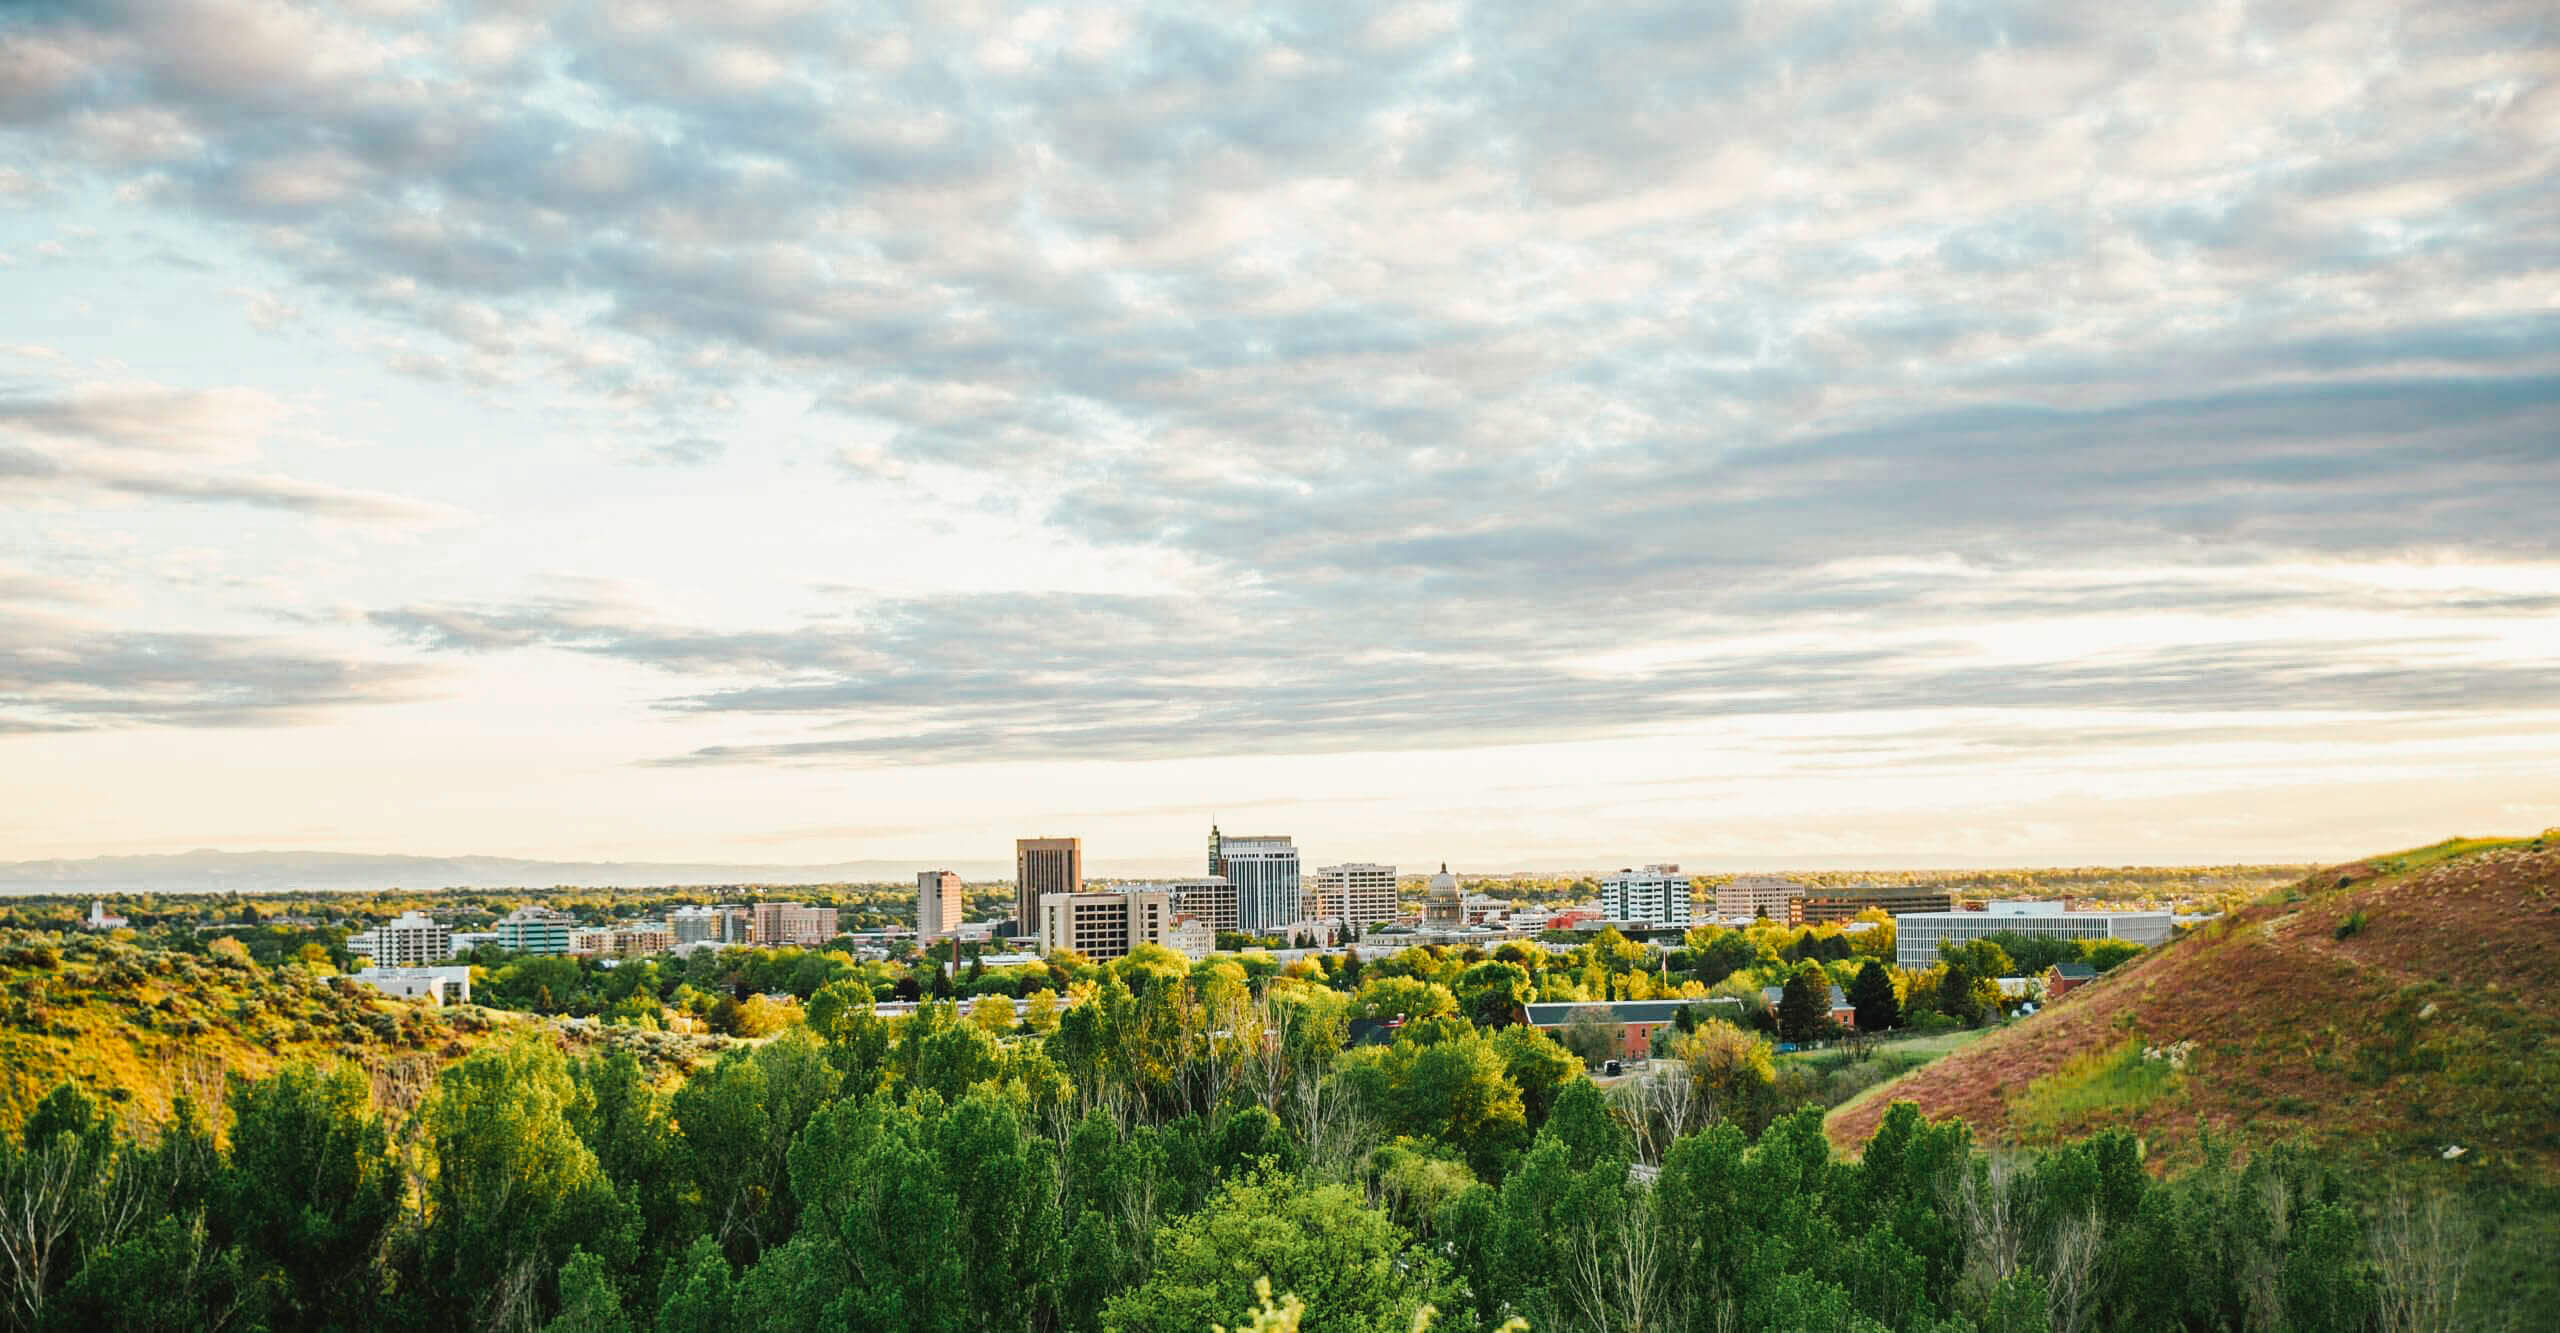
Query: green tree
column 1356, row 1271
column 310, row 1188
column 1872, row 994
column 512, row 1190
column 1539, row 1065
column 1804, row 1006
column 588, row 1301
column 736, row 1121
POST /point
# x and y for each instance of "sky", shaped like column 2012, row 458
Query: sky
column 1521, row 435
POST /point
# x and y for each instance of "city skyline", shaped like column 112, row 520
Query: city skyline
column 776, row 434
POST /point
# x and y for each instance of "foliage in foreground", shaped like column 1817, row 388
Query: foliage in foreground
column 923, row 1175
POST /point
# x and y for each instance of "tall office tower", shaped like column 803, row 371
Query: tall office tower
column 1268, row 890
column 1042, row 866
column 1217, row 853
column 1359, row 893
column 939, row 900
column 1656, row 895
column 1103, row 925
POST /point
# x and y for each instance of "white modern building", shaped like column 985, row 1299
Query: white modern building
column 1745, row 896
column 435, row 985
column 1917, row 935
column 411, row 939
column 1264, row 869
column 940, row 902
column 1360, row 893
column 1104, row 925
column 1657, row 895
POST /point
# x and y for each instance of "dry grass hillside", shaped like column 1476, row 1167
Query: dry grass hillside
column 2388, row 1008
column 136, row 1027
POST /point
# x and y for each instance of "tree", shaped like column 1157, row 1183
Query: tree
column 1495, row 995
column 588, row 1302
column 1390, row 996
column 1354, row 1269
column 1804, row 1007
column 1730, row 1071
column 1539, row 1065
column 736, row 1121
column 513, row 1190
column 1872, row 994
column 311, row 1187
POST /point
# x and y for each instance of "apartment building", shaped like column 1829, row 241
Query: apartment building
column 773, row 925
column 1657, row 895
column 1357, row 892
column 707, row 925
column 411, row 939
column 631, row 939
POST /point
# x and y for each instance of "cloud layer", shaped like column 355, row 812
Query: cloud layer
column 1488, row 371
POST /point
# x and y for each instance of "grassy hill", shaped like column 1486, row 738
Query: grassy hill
column 2389, row 1009
column 137, row 1027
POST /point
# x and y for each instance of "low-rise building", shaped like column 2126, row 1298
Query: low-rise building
column 1746, row 896
column 630, row 939
column 1821, row 905
column 435, row 985
column 100, row 919
column 1190, row 936
column 774, row 925
column 1917, row 935
column 1839, row 1009
column 1630, row 1023
column 2063, row 978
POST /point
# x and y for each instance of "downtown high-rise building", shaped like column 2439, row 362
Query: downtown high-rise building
column 1264, row 870
column 1043, row 866
column 1361, row 894
column 1103, row 925
column 940, row 900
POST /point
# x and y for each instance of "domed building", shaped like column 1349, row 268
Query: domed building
column 1443, row 907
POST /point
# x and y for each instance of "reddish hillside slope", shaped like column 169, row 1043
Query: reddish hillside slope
column 2400, row 1005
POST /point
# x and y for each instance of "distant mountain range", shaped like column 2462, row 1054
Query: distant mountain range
column 266, row 872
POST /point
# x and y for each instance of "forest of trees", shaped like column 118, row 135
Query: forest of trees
column 1139, row 1164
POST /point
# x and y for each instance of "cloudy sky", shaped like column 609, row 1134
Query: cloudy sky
column 1524, row 434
